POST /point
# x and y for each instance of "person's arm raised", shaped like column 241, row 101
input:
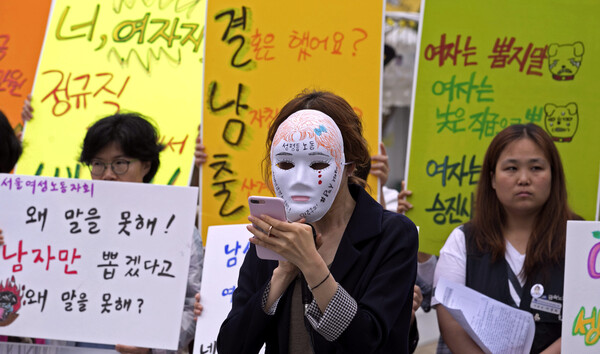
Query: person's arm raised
column 380, row 168
column 403, row 204
column 27, row 110
column 200, row 155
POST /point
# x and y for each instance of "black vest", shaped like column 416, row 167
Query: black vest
column 491, row 279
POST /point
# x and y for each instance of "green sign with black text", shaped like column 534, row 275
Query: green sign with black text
column 486, row 65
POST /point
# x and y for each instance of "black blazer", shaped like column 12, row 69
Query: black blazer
column 376, row 263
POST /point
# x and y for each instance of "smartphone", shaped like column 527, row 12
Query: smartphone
column 273, row 207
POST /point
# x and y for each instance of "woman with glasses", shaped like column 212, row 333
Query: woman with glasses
column 125, row 148
column 122, row 147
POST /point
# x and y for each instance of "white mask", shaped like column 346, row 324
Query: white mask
column 307, row 162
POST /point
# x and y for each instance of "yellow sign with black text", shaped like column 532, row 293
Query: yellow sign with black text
column 102, row 57
column 259, row 56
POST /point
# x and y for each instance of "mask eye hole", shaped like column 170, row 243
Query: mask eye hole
column 319, row 165
column 285, row 165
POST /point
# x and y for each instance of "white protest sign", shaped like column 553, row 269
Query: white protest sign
column 226, row 247
column 581, row 303
column 94, row 261
column 23, row 348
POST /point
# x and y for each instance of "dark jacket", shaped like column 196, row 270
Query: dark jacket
column 375, row 263
column 491, row 279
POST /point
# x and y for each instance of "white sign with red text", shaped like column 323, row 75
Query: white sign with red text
column 94, row 261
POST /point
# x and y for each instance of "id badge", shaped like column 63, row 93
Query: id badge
column 546, row 306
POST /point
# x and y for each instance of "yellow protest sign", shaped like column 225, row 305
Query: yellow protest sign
column 101, row 57
column 483, row 66
column 259, row 55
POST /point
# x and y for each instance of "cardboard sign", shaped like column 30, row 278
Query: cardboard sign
column 581, row 303
column 483, row 66
column 94, row 261
column 102, row 57
column 260, row 55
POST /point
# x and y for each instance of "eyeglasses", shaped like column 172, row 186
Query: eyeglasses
column 119, row 166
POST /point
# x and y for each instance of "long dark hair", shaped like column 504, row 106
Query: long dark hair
column 547, row 242
column 10, row 146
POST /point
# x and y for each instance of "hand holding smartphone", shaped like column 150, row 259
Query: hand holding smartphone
column 273, row 207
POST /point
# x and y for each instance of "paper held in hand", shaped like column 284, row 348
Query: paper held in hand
column 494, row 326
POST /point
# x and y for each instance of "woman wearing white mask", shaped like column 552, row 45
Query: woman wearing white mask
column 351, row 293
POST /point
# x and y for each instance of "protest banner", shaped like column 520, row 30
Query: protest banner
column 581, row 305
column 22, row 28
column 102, row 57
column 226, row 247
column 483, row 66
column 94, row 261
column 260, row 55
